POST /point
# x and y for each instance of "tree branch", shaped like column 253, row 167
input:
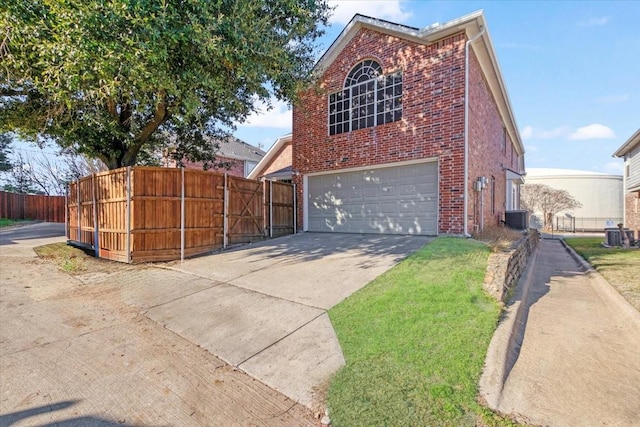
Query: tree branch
column 112, row 108
column 160, row 116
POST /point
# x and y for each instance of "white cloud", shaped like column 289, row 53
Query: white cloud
column 529, row 132
column 595, row 22
column 593, row 131
column 390, row 10
column 613, row 99
column 280, row 116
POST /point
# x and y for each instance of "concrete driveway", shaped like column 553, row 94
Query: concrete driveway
column 76, row 351
column 263, row 307
column 20, row 241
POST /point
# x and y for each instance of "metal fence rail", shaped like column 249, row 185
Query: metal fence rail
column 582, row 224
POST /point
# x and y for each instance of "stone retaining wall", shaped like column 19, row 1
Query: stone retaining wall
column 504, row 268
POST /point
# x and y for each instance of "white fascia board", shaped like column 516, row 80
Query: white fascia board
column 351, row 29
column 269, row 155
column 628, row 145
column 472, row 24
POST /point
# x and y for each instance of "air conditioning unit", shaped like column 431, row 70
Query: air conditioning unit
column 516, row 219
column 613, row 237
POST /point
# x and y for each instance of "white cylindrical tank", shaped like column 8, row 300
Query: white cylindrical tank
column 600, row 194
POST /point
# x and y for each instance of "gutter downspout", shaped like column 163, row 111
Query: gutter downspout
column 466, row 131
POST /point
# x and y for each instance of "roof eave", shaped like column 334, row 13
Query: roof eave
column 472, row 24
column 628, row 145
column 271, row 152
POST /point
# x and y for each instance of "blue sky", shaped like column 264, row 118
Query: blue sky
column 572, row 71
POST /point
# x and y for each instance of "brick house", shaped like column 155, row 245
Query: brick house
column 630, row 152
column 234, row 156
column 276, row 163
column 406, row 131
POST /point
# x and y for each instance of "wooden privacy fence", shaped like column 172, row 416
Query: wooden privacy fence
column 140, row 214
column 32, row 206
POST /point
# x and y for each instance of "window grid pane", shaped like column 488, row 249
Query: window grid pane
column 368, row 99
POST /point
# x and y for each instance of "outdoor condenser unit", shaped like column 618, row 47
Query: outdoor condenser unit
column 517, row 220
column 612, row 236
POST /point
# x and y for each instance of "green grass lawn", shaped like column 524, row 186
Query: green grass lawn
column 621, row 267
column 415, row 341
column 4, row 222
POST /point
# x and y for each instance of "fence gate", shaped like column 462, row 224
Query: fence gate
column 141, row 214
column 245, row 220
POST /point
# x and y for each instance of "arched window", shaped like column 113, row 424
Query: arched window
column 368, row 99
column 363, row 71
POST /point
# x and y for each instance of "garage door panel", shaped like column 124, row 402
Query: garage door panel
column 392, row 200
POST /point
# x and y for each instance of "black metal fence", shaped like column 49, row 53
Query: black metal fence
column 581, row 224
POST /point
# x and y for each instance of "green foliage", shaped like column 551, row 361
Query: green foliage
column 112, row 78
column 6, row 222
column 67, row 258
column 415, row 340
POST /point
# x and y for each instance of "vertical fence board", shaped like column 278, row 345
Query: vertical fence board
column 37, row 207
column 282, row 208
column 152, row 226
column 246, row 218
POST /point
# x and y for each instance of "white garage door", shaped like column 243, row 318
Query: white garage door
column 388, row 200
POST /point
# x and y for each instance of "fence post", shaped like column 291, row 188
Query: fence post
column 265, row 215
column 271, row 209
column 96, row 234
column 182, row 211
column 79, row 236
column 127, row 220
column 225, row 212
column 295, row 210
column 67, row 228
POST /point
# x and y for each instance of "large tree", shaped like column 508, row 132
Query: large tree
column 111, row 78
column 5, row 151
column 547, row 200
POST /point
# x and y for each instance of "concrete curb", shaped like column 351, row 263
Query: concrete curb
column 506, row 341
column 505, row 344
column 606, row 291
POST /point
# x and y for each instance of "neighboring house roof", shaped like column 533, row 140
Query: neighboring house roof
column 284, row 173
column 268, row 157
column 472, row 24
column 234, row 148
column 628, row 146
column 230, row 147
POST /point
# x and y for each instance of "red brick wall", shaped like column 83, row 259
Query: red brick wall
column 281, row 160
column 632, row 212
column 432, row 124
column 236, row 166
column 488, row 155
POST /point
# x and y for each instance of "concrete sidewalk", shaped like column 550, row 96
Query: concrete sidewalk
column 568, row 350
column 263, row 307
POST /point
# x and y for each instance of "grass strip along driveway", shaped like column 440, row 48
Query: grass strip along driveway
column 620, row 267
column 415, row 341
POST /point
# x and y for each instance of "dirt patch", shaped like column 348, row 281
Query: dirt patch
column 72, row 350
column 76, row 261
